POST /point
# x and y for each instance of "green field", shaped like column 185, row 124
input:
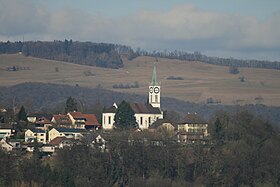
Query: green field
column 200, row 81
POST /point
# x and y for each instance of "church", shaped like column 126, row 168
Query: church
column 145, row 113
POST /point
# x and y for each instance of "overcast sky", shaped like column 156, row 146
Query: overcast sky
column 237, row 28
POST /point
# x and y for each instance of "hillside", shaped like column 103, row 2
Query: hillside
column 201, row 82
column 52, row 97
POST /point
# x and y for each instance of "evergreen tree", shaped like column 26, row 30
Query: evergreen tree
column 71, row 105
column 124, row 118
column 22, row 114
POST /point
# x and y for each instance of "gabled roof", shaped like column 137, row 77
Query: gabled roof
column 193, row 118
column 42, row 120
column 91, row 119
column 57, row 140
column 37, row 130
column 37, row 115
column 77, row 115
column 159, row 122
column 144, row 108
column 112, row 109
column 70, row 130
column 61, row 118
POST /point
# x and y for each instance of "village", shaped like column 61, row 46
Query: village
column 48, row 133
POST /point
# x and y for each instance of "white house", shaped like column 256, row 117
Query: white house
column 39, row 135
column 65, row 132
column 6, row 132
column 193, row 123
column 145, row 113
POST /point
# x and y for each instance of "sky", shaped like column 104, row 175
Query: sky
column 247, row 29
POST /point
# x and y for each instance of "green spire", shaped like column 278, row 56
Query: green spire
column 154, row 77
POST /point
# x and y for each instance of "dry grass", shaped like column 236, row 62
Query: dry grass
column 201, row 81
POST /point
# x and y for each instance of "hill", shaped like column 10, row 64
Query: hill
column 52, row 97
column 184, row 80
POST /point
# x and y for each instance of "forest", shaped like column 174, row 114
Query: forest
column 109, row 55
column 85, row 53
column 243, row 151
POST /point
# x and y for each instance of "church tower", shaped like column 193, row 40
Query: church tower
column 154, row 90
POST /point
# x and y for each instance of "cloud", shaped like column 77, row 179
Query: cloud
column 183, row 27
column 18, row 17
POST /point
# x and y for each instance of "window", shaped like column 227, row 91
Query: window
column 109, row 120
column 156, row 98
column 104, row 121
column 149, row 120
column 141, row 120
column 151, row 99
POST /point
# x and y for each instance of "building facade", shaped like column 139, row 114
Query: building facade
column 145, row 113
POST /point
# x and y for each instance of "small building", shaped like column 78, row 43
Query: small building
column 42, row 123
column 61, row 142
column 36, row 134
column 83, row 121
column 6, row 132
column 10, row 145
column 62, row 121
column 162, row 125
column 108, row 116
column 193, row 123
column 76, row 134
column 190, row 137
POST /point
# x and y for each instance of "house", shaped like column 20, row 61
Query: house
column 162, row 125
column 190, row 137
column 38, row 134
column 47, row 149
column 145, row 113
column 83, row 121
column 193, row 123
column 61, row 141
column 5, row 145
column 42, row 123
column 76, row 134
column 10, row 145
column 33, row 117
column 6, row 132
column 61, row 120
column 99, row 141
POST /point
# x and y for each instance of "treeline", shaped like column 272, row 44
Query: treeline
column 197, row 56
column 86, row 53
column 109, row 55
column 243, row 151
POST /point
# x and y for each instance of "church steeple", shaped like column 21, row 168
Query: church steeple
column 154, row 77
column 154, row 90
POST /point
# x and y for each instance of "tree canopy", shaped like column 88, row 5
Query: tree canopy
column 124, row 118
column 71, row 105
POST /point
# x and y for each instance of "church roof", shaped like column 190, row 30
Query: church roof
column 144, row 108
column 112, row 109
column 154, row 77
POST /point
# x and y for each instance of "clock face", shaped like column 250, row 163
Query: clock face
column 151, row 89
column 156, row 89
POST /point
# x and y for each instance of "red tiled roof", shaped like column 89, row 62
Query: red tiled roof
column 57, row 140
column 77, row 115
column 91, row 119
column 61, row 118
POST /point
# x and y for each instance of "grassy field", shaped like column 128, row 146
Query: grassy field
column 200, row 81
